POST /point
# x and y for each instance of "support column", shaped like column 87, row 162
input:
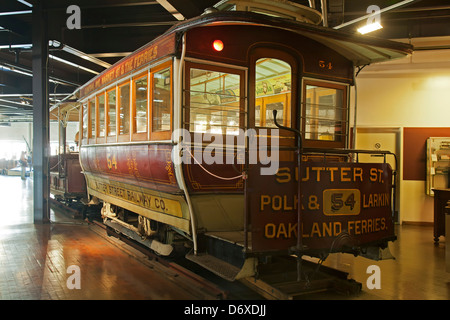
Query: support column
column 41, row 124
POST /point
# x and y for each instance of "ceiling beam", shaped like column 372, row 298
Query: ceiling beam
column 171, row 9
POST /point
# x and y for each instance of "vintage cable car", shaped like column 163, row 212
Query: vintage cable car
column 67, row 183
column 181, row 144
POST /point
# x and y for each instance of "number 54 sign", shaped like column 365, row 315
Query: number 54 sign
column 341, row 202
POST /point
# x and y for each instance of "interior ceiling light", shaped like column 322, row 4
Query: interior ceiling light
column 370, row 27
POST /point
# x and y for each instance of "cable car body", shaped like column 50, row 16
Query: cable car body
column 180, row 142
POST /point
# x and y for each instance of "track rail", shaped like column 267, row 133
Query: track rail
column 200, row 287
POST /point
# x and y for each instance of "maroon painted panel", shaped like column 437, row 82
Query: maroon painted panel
column 149, row 166
column 222, row 175
column 316, row 59
column 342, row 204
column 414, row 150
column 74, row 178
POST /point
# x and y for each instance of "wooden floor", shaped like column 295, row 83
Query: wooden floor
column 34, row 261
column 417, row 273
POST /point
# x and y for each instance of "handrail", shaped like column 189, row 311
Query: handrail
column 352, row 151
column 299, row 248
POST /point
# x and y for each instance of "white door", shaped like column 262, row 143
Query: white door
column 382, row 139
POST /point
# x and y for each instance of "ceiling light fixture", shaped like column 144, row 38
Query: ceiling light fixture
column 370, row 27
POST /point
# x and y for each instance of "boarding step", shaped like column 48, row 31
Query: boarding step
column 279, row 280
column 222, row 268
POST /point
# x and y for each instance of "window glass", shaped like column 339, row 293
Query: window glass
column 85, row 121
column 111, row 98
column 273, row 92
column 92, row 118
column 161, row 101
column 101, row 115
column 124, row 109
column 214, row 101
column 324, row 110
column 140, row 95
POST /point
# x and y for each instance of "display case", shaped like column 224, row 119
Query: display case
column 438, row 163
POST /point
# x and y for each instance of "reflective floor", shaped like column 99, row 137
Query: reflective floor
column 41, row 262
column 417, row 273
column 37, row 261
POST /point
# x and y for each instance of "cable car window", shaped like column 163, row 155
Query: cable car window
column 273, row 92
column 124, row 109
column 161, row 101
column 140, row 103
column 85, row 121
column 101, row 115
column 324, row 112
column 215, row 101
column 111, row 99
column 92, row 119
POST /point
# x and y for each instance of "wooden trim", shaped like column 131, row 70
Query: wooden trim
column 418, row 223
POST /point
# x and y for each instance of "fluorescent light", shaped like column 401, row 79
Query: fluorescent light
column 16, row 46
column 13, row 13
column 72, row 64
column 26, row 3
column 370, row 27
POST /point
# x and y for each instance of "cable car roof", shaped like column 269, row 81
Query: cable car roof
column 361, row 50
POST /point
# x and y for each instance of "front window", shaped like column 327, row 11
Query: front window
column 325, row 111
column 215, row 100
column 273, row 92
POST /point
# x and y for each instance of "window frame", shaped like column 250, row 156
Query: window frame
column 215, row 68
column 287, row 57
column 124, row 137
column 265, row 100
column 97, row 118
column 139, row 136
column 110, row 138
column 92, row 134
column 160, row 135
column 84, row 134
column 316, row 143
column 285, row 138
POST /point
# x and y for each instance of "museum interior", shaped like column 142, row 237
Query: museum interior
column 96, row 205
